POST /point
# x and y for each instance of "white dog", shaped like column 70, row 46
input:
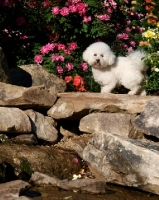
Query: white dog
column 110, row 71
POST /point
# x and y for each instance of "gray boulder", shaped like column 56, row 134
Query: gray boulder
column 43, row 126
column 37, row 97
column 115, row 123
column 35, row 75
column 127, row 162
column 14, row 120
column 148, row 120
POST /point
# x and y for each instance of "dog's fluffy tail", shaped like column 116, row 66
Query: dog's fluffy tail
column 137, row 57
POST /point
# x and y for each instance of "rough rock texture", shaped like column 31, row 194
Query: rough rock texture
column 124, row 161
column 12, row 189
column 43, row 126
column 4, row 71
column 27, row 139
column 81, row 185
column 77, row 105
column 61, row 127
column 115, row 123
column 148, row 120
column 14, row 120
column 37, row 97
column 24, row 160
column 35, row 75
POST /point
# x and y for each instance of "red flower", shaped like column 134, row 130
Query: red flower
column 68, row 79
column 79, row 83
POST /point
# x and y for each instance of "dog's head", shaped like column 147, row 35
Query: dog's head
column 99, row 55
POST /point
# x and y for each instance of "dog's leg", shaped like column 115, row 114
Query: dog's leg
column 142, row 92
column 134, row 91
column 107, row 88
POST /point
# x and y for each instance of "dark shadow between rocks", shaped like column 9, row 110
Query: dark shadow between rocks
column 8, row 172
column 20, row 77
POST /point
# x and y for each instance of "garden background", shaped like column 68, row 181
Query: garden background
column 54, row 33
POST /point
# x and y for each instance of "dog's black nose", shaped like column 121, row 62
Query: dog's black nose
column 98, row 60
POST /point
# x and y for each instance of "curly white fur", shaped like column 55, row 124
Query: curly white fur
column 110, row 71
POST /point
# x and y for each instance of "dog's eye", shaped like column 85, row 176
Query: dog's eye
column 95, row 54
column 101, row 55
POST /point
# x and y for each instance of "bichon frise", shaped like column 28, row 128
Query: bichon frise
column 110, row 71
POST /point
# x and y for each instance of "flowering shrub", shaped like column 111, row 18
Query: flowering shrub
column 150, row 43
column 81, row 23
column 54, row 33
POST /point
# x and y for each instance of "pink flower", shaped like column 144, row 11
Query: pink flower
column 128, row 30
column 130, row 49
column 76, row 1
column 61, row 46
column 23, row 37
column 64, row 11
column 103, row 17
column 81, row 8
column 132, row 43
column 72, row 8
column 109, row 10
column 76, row 160
column 123, row 36
column 53, row 57
column 58, row 58
column 20, row 21
column 84, row 66
column 113, row 3
column 55, row 10
column 48, row 47
column 87, row 19
column 38, row 59
column 118, row 26
column 72, row 46
column 59, row 69
column 69, row 66
column 46, row 3
column 139, row 29
column 67, row 51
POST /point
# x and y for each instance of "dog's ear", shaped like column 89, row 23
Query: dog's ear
column 112, row 58
column 86, row 55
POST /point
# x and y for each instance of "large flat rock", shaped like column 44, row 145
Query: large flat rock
column 78, row 105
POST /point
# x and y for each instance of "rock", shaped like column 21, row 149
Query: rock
column 37, row 97
column 43, row 126
column 81, row 185
column 74, row 106
column 124, row 161
column 14, row 120
column 23, row 198
column 28, row 139
column 66, row 133
column 76, row 143
column 4, row 70
column 12, row 189
column 115, row 123
column 35, row 75
column 24, row 160
column 148, row 120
